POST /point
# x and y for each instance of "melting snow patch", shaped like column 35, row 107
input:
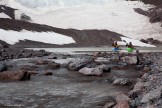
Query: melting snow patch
column 134, row 42
column 12, row 37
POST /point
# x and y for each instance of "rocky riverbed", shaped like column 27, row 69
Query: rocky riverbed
column 40, row 79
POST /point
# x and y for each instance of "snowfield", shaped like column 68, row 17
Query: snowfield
column 13, row 37
column 114, row 15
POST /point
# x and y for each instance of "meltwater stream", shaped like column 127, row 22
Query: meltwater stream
column 97, row 49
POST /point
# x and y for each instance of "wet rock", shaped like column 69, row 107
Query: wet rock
column 3, row 67
column 77, row 64
column 14, row 76
column 53, row 65
column 48, row 74
column 91, row 71
column 130, row 60
column 121, row 81
column 105, row 68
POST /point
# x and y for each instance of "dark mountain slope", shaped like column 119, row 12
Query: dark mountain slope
column 82, row 37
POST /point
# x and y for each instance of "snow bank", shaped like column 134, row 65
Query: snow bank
column 134, row 42
column 12, row 37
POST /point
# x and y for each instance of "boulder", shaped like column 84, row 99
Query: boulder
column 3, row 67
column 121, row 81
column 79, row 63
column 132, row 60
column 14, row 76
column 91, row 71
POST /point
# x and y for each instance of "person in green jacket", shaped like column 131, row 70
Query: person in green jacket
column 130, row 47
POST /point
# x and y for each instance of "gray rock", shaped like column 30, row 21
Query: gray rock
column 79, row 63
column 91, row 71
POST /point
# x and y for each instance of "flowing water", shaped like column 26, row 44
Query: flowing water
column 65, row 89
